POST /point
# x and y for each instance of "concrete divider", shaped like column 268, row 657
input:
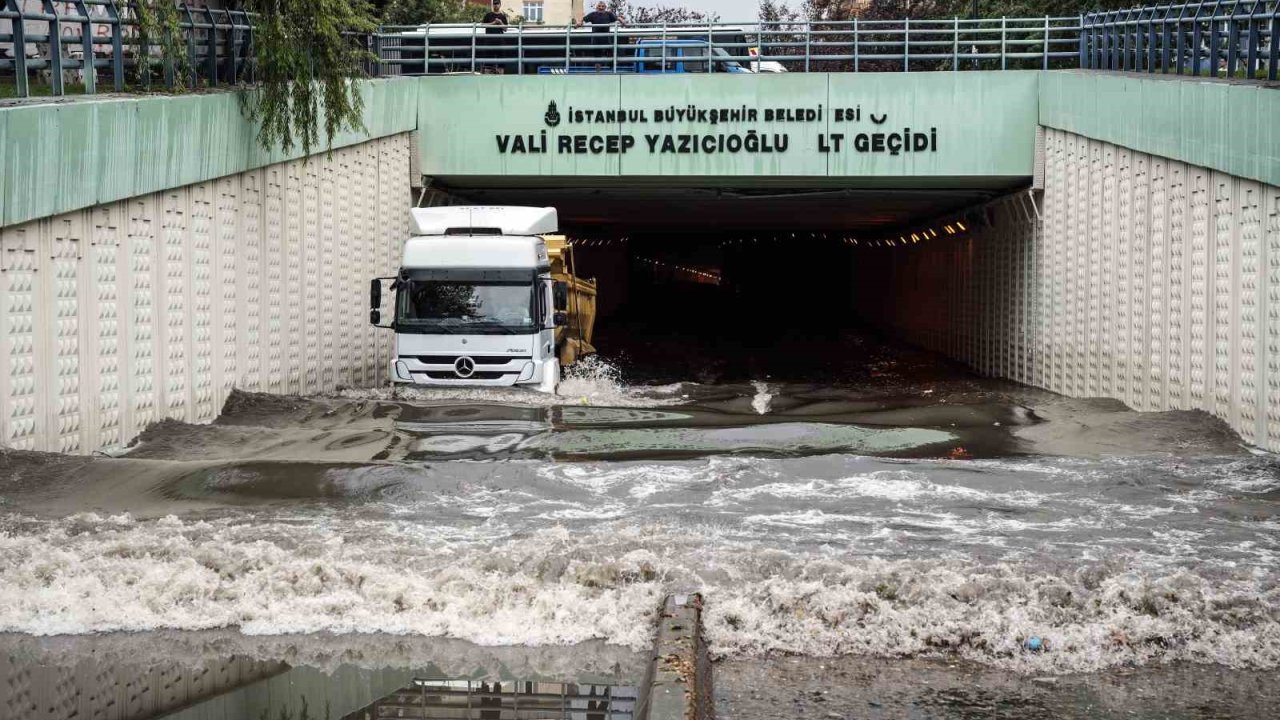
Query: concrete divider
column 678, row 683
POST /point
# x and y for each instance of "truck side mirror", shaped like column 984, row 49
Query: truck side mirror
column 375, row 294
column 560, row 318
column 375, row 316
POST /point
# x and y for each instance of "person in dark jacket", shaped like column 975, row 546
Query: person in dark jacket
column 601, row 21
column 497, row 22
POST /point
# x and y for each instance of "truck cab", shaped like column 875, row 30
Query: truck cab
column 474, row 301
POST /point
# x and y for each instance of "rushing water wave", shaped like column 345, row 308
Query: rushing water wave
column 1110, row 561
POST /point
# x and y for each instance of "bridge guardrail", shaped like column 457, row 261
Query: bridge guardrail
column 1231, row 39
column 94, row 41
column 847, row 46
column 67, row 38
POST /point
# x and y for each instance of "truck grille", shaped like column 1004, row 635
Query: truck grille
column 477, row 375
column 478, row 359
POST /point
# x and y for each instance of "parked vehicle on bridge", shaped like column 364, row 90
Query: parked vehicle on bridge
column 764, row 66
column 654, row 57
column 442, row 49
column 482, row 298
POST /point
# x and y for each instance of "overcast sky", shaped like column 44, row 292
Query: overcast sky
column 729, row 10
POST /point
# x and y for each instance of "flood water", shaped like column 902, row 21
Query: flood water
column 906, row 512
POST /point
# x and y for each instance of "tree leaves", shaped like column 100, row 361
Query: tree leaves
column 309, row 55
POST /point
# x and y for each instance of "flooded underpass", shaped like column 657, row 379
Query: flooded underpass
column 894, row 536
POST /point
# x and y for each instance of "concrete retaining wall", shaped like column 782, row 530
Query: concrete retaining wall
column 121, row 314
column 1135, row 277
column 112, row 691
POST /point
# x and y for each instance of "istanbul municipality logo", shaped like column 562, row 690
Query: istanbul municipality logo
column 553, row 116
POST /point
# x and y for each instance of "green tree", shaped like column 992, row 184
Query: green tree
column 159, row 29
column 657, row 14
column 421, row 12
column 816, row 10
column 777, row 11
column 309, row 55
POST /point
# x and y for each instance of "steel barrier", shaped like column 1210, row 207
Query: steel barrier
column 91, row 40
column 850, row 46
column 1216, row 39
column 71, row 37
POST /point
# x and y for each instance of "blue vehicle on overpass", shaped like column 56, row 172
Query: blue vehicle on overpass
column 657, row 56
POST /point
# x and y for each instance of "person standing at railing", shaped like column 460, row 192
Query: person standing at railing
column 497, row 24
column 601, row 21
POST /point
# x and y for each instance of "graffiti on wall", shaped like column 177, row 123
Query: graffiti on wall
column 100, row 28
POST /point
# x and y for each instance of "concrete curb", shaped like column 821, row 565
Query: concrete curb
column 678, row 683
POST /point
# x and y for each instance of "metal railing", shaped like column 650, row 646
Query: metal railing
column 88, row 42
column 848, row 46
column 1217, row 39
column 79, row 40
column 465, row 699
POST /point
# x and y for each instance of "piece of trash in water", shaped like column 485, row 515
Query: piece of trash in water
column 927, row 392
column 1034, row 644
column 959, row 453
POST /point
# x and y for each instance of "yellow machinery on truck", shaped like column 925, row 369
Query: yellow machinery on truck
column 575, row 297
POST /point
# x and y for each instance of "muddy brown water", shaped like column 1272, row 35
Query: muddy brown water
column 893, row 531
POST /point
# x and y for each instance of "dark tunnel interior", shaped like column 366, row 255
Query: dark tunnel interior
column 730, row 286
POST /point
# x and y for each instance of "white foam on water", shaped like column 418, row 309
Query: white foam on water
column 308, row 573
column 642, row 480
column 601, row 512
column 760, row 403
column 593, row 381
column 86, row 574
column 1092, row 619
column 897, row 485
column 808, row 518
column 905, row 561
column 590, row 381
column 1255, row 482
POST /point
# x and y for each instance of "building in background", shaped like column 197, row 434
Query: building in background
column 540, row 12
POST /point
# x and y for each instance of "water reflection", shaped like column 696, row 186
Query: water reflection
column 465, row 699
column 223, row 675
column 498, row 432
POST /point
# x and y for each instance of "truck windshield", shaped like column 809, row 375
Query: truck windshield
column 445, row 306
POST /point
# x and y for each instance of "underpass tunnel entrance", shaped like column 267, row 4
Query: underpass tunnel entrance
column 735, row 285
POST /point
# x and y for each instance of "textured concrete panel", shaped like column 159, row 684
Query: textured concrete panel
column 1153, row 281
column 157, row 306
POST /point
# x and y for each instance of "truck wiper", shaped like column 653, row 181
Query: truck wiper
column 495, row 325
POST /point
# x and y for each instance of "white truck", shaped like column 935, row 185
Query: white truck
column 474, row 299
